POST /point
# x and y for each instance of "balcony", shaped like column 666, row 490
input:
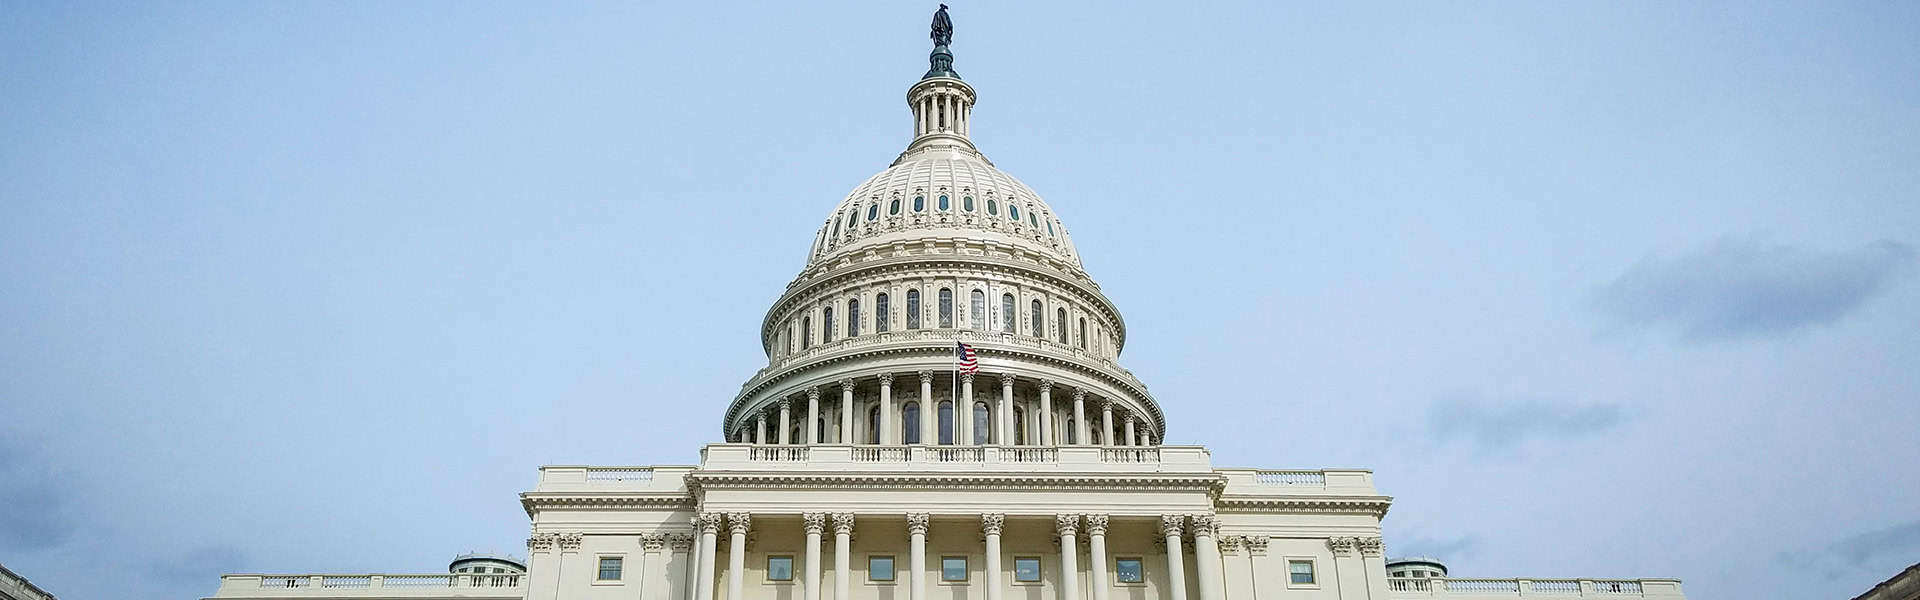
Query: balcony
column 1025, row 459
column 377, row 585
column 1515, row 588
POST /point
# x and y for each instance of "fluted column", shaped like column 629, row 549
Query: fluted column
column 709, row 525
column 760, row 428
column 1046, row 413
column 737, row 524
column 929, row 414
column 812, row 427
column 963, row 427
column 886, row 434
column 1005, row 421
column 1170, row 526
column 814, row 524
column 846, row 411
column 1206, row 557
column 1106, row 423
column 917, row 555
column 786, row 426
column 1097, row 555
column 842, row 563
column 1080, row 428
column 990, row 525
column 1065, row 525
column 1131, row 440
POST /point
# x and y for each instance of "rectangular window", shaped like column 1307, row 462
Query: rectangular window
column 1127, row 570
column 609, row 568
column 880, row 568
column 1300, row 572
column 953, row 568
column 1026, row 569
column 779, row 568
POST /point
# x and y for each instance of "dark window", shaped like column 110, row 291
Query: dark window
column 1300, row 571
column 910, row 424
column 880, row 568
column 992, row 208
column 894, row 208
column 944, row 204
column 806, row 337
column 852, row 217
column 966, row 203
column 1127, row 570
column 913, row 309
column 609, row 568
column 1083, row 333
column 1013, row 210
column 873, row 425
column 919, row 203
column 873, row 211
column 826, row 325
column 880, row 324
column 979, row 307
column 1007, row 313
column 953, row 568
column 981, row 429
column 1039, row 320
column 1049, row 227
column 1060, row 321
column 946, row 421
column 779, row 568
column 853, row 317
column 1026, row 569
column 946, row 308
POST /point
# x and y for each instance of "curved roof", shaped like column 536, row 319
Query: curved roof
column 942, row 193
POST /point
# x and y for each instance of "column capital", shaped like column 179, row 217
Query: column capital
column 966, row 378
column 926, row 377
column 786, row 404
column 991, row 523
column 738, row 523
column 886, row 379
column 1342, row 546
column 1096, row 524
column 813, row 523
column 707, row 522
column 653, row 542
column 1046, row 385
column 917, row 523
column 1172, row 525
column 540, row 541
column 1230, row 545
column 1205, row 524
column 846, row 384
column 843, row 523
column 680, row 542
column 1064, row 525
column 813, row 393
column 1257, row 545
column 1372, row 547
column 570, row 540
column 1006, row 379
column 1105, row 405
column 1079, row 394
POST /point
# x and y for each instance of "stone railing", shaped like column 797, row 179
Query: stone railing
column 1514, row 588
column 375, row 585
column 1315, row 478
column 862, row 457
column 619, row 473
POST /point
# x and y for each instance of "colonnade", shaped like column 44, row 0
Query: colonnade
column 1172, row 528
column 1116, row 425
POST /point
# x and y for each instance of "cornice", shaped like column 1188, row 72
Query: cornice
column 1209, row 482
column 531, row 501
column 1371, row 505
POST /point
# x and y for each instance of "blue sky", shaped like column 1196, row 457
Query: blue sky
column 1597, row 289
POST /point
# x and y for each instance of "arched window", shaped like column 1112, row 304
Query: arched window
column 910, row 423
column 826, row 322
column 1039, row 320
column 946, row 421
column 944, row 204
column 1013, row 210
column 894, row 208
column 919, row 204
column 913, row 309
column 853, row 317
column 873, row 211
column 806, row 335
column 793, row 434
column 820, row 430
column 982, row 434
column 992, row 208
column 1073, row 432
column 1049, row 227
column 946, row 308
column 836, row 228
column 880, row 316
column 1019, row 425
column 1083, row 333
column 979, row 308
column 966, row 203
column 790, row 338
column 1060, row 322
column 1007, row 313
column 1033, row 219
column 873, row 425
column 853, row 216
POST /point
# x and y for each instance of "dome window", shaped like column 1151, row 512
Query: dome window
column 1033, row 219
column 894, row 208
column 1013, row 210
column 992, row 208
column 873, row 211
column 853, row 217
column 966, row 203
column 919, row 204
column 944, row 205
column 1050, row 228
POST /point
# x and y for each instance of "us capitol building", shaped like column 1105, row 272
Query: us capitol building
column 866, row 461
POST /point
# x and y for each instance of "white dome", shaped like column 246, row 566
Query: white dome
column 903, row 203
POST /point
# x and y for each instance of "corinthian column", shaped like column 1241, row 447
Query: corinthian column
column 1131, row 440
column 963, row 428
column 737, row 524
column 1170, row 526
column 1069, row 552
column 916, row 555
column 1046, row 414
column 1206, row 557
column 929, row 414
column 709, row 525
column 886, row 434
column 846, row 411
column 1097, row 555
column 1080, row 417
column 814, row 523
column 842, row 545
column 785, row 426
column 1106, row 426
column 1005, row 422
column 990, row 524
column 812, row 433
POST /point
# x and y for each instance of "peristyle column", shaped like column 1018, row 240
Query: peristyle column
column 842, row 545
column 1170, row 526
column 709, row 525
column 812, row 427
column 1069, row 553
column 886, row 434
column 1097, row 554
column 1080, row 417
column 1131, row 440
column 963, row 412
column 928, row 412
column 785, row 425
column 1046, row 413
column 917, row 555
column 1106, row 423
column 846, row 411
column 990, row 525
column 1006, row 410
column 737, row 524
column 814, row 523
column 1206, row 557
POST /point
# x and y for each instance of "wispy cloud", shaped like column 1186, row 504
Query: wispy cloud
column 1743, row 287
column 38, row 511
column 1497, row 424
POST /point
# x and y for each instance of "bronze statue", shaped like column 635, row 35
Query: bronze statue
column 942, row 27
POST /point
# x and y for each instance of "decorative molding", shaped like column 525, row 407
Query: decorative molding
column 1211, row 482
column 653, row 542
column 739, row 523
column 813, row 523
column 886, row 379
column 1095, row 525
column 1205, row 525
column 992, row 523
column 706, row 523
column 542, row 541
column 532, row 501
column 569, row 540
column 1079, row 394
column 1372, row 547
column 786, row 405
column 1369, row 505
column 843, row 523
column 1231, row 545
column 1172, row 525
column 1342, row 546
column 1257, row 545
column 680, row 542
column 917, row 523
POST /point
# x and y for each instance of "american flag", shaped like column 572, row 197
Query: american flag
column 969, row 363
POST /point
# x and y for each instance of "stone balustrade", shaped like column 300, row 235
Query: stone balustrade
column 860, row 457
column 1514, row 588
column 374, row 585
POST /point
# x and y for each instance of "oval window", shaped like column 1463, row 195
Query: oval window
column 1033, row 219
column 894, row 209
column 1013, row 210
column 873, row 211
column 919, row 203
column 992, row 208
column 853, row 216
column 943, row 203
column 966, row 204
column 1050, row 228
